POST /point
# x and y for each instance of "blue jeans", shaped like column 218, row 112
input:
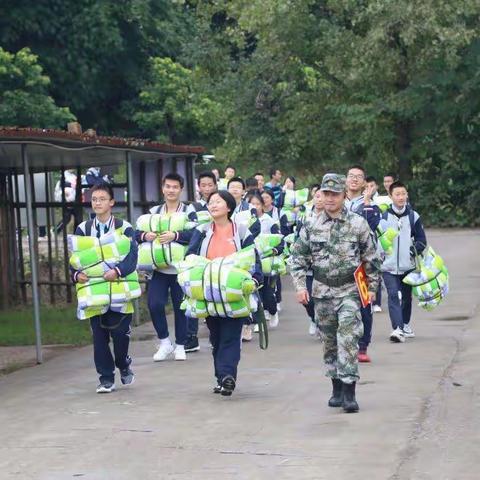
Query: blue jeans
column 278, row 291
column 226, row 340
column 158, row 288
column 378, row 297
column 400, row 310
column 116, row 326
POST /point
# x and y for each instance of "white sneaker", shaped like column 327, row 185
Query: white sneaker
column 397, row 336
column 377, row 309
column 407, row 331
column 179, row 353
column 267, row 315
column 256, row 328
column 312, row 329
column 273, row 323
column 279, row 307
column 163, row 352
column 247, row 333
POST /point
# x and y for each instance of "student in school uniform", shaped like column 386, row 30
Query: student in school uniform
column 112, row 324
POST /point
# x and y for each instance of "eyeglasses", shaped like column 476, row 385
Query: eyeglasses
column 100, row 200
column 355, row 177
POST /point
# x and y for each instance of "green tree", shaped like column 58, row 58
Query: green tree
column 24, row 96
column 170, row 107
column 318, row 84
column 96, row 53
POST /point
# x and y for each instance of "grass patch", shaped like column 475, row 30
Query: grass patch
column 59, row 325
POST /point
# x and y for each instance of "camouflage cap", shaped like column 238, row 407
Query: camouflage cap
column 333, row 182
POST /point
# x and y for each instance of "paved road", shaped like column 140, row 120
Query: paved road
column 419, row 402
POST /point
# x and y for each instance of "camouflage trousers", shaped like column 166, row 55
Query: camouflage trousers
column 341, row 327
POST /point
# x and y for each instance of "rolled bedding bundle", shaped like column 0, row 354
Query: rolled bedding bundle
column 100, row 292
column 217, row 287
column 157, row 256
column 289, row 241
column 295, row 198
column 110, row 254
column 430, row 265
column 386, row 236
column 202, row 309
column 203, row 216
column 431, row 293
column 76, row 243
column 290, row 215
column 274, row 265
column 160, row 223
column 383, row 202
column 266, row 242
column 244, row 218
column 216, row 282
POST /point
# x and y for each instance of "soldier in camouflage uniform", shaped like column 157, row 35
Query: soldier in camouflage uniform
column 334, row 244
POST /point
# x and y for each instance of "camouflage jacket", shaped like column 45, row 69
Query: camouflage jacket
column 334, row 248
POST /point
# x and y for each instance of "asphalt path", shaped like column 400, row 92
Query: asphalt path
column 419, row 402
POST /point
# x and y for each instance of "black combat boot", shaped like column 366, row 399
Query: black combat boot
column 350, row 404
column 336, row 400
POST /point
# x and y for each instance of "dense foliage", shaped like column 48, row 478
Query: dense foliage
column 309, row 85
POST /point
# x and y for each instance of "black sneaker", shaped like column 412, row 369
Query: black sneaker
column 127, row 376
column 228, row 386
column 192, row 344
column 105, row 387
column 217, row 388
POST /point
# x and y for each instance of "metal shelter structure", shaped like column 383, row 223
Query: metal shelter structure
column 26, row 154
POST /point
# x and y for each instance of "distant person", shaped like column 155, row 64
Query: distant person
column 411, row 240
column 236, row 187
column 274, row 184
column 388, row 179
column 70, row 189
column 95, row 177
column 261, row 181
column 230, row 172
column 207, row 184
column 251, row 185
column 289, row 183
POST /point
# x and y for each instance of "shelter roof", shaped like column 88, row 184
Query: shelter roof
column 55, row 149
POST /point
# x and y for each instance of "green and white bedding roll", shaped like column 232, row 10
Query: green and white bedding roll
column 157, row 256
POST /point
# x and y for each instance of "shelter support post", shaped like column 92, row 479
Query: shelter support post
column 31, row 247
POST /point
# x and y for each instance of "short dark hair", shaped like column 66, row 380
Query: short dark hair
column 389, row 174
column 292, row 178
column 175, row 177
column 258, row 173
column 236, row 179
column 273, row 171
column 257, row 195
column 207, row 175
column 397, row 184
column 103, row 187
column 371, row 178
column 251, row 182
column 229, row 200
column 270, row 193
column 230, row 166
column 357, row 167
column 315, row 185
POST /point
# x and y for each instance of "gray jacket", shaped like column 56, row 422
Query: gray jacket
column 411, row 233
